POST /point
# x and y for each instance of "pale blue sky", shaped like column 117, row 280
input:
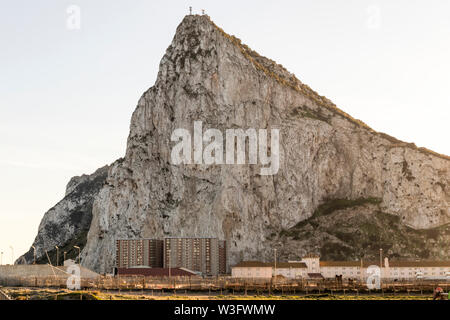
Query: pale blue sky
column 66, row 96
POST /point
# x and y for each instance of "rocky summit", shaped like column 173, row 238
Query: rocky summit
column 342, row 189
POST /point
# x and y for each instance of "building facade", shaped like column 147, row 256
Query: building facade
column 252, row 269
column 312, row 262
column 348, row 269
column 139, row 252
column 266, row 270
column 204, row 255
column 395, row 269
column 417, row 269
column 310, row 267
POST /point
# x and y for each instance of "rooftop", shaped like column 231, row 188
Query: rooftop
column 392, row 264
column 260, row 264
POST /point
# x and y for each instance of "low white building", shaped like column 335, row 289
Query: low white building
column 290, row 270
column 346, row 269
column 311, row 267
column 417, row 269
column 396, row 269
column 252, row 269
column 257, row 269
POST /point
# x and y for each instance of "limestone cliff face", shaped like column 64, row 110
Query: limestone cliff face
column 67, row 223
column 325, row 156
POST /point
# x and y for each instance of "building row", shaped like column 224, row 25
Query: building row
column 311, row 267
column 206, row 256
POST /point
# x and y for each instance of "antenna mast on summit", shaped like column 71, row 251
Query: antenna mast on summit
column 203, row 11
column 190, row 11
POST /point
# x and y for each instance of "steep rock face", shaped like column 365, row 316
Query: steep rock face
column 209, row 76
column 67, row 223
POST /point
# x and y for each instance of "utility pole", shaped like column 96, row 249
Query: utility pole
column 275, row 262
column 381, row 264
column 1, row 258
column 57, row 256
column 79, row 253
column 168, row 253
column 361, row 271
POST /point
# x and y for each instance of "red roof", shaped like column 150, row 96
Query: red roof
column 155, row 272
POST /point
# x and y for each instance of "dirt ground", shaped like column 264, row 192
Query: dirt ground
column 20, row 293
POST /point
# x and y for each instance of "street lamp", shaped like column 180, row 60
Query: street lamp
column 57, row 256
column 12, row 255
column 275, row 262
column 168, row 253
column 79, row 252
column 34, row 254
column 381, row 264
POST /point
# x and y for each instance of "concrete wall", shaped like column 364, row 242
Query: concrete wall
column 40, row 270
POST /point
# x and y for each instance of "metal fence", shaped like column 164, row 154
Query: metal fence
column 227, row 285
